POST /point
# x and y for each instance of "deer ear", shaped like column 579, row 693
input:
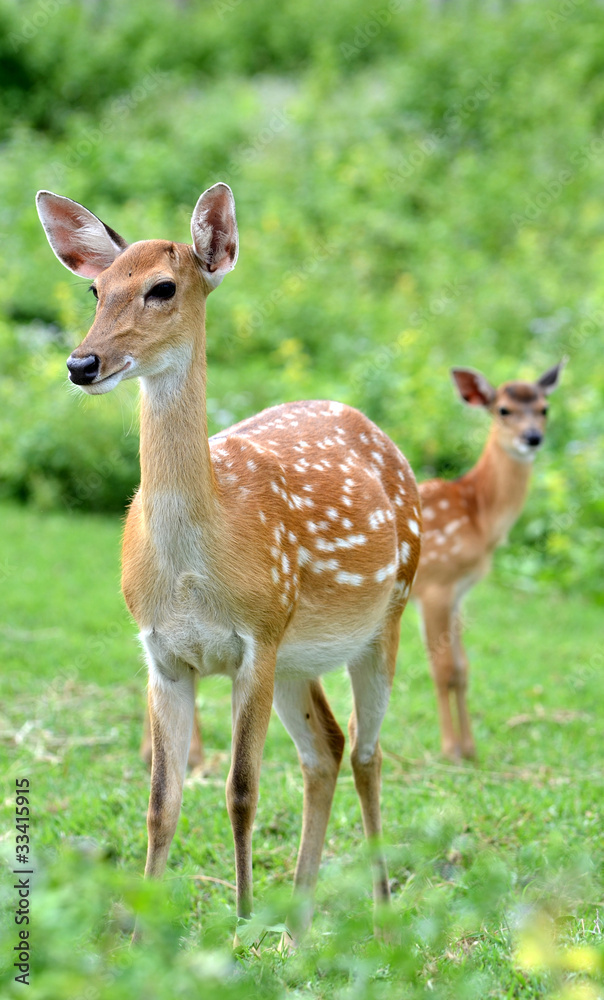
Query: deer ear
column 473, row 387
column 214, row 232
column 548, row 382
column 83, row 243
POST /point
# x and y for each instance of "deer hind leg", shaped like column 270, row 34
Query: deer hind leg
column 251, row 710
column 466, row 739
column 371, row 675
column 439, row 627
column 196, row 751
column 304, row 711
column 171, row 710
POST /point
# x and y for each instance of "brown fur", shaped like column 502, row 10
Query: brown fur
column 279, row 549
column 464, row 521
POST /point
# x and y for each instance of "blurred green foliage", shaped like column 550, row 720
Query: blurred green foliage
column 418, row 186
column 453, row 931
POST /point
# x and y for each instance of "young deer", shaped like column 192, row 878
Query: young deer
column 465, row 519
column 278, row 550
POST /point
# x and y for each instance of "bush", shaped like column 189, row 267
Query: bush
column 412, row 194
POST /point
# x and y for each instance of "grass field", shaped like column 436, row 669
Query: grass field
column 496, row 866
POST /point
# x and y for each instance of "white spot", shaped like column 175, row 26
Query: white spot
column 251, row 464
column 332, row 514
column 304, row 556
column 353, row 579
column 376, row 518
column 405, row 552
column 275, row 552
column 285, row 563
column 454, row 525
column 347, row 501
column 443, row 504
column 385, row 572
column 320, row 565
column 353, row 541
column 429, row 513
column 324, row 546
column 292, row 537
column 262, row 516
column 275, row 574
column 413, row 526
column 347, row 523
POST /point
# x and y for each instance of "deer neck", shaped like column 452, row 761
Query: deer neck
column 500, row 484
column 177, row 478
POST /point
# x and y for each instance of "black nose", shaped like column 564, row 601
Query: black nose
column 83, row 371
column 533, row 438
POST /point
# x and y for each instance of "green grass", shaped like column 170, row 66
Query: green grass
column 480, row 853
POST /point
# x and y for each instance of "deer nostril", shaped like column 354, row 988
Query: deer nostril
column 533, row 438
column 83, row 371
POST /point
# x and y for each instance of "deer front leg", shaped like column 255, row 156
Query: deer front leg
column 251, row 709
column 437, row 614
column 467, row 745
column 171, row 710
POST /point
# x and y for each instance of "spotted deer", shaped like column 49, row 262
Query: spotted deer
column 279, row 549
column 465, row 519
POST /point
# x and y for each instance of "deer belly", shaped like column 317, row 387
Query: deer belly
column 313, row 656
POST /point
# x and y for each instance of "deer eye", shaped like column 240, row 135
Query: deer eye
column 94, row 291
column 163, row 290
column 544, row 411
column 504, row 412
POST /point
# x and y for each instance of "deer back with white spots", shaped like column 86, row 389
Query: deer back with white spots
column 464, row 520
column 273, row 552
